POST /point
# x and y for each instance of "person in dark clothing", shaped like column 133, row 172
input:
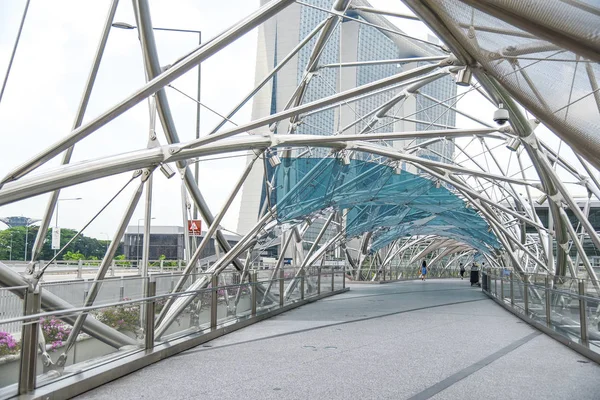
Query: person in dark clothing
column 462, row 271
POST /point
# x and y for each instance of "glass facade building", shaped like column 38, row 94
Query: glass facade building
column 349, row 41
column 370, row 44
column 167, row 241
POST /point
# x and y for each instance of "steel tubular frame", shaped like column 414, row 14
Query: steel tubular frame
column 20, row 185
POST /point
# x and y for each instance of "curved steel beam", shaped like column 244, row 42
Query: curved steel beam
column 202, row 53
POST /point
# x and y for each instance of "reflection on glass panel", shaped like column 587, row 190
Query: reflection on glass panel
column 86, row 349
column 506, row 289
column 111, row 290
column 326, row 275
column 292, row 290
column 592, row 313
column 310, row 284
column 240, row 301
column 518, row 293
column 267, row 296
column 195, row 317
column 537, row 303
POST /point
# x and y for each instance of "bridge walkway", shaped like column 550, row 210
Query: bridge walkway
column 439, row 339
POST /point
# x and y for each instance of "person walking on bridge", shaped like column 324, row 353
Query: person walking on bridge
column 462, row 271
column 423, row 270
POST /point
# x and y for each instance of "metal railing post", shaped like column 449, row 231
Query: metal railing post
column 213, row 302
column 526, row 293
column 495, row 284
column 318, row 280
column 332, row 279
column 547, row 293
column 29, row 342
column 302, row 280
column 281, row 286
column 344, row 276
column 512, row 289
column 254, row 278
column 582, row 315
column 150, row 314
column 122, row 289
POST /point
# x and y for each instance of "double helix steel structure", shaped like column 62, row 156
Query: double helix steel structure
column 346, row 171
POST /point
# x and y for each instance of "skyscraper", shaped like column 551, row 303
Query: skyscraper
column 350, row 41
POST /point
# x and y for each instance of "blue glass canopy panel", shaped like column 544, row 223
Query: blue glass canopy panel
column 377, row 200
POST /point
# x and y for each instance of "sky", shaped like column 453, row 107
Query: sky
column 57, row 46
column 49, row 72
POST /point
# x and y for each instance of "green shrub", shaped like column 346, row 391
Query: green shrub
column 122, row 318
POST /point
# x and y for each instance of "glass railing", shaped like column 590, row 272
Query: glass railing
column 567, row 307
column 132, row 315
column 403, row 273
column 10, row 344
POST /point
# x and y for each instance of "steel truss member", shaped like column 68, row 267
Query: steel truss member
column 381, row 196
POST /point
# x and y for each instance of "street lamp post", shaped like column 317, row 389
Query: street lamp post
column 56, row 219
column 125, row 25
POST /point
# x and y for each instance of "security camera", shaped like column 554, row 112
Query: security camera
column 501, row 115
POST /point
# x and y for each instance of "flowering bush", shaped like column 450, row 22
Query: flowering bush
column 8, row 345
column 122, row 318
column 55, row 332
column 160, row 304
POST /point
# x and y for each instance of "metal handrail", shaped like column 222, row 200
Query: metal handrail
column 124, row 302
column 134, row 301
column 550, row 317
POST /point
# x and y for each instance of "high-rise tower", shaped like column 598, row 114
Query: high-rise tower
column 350, row 41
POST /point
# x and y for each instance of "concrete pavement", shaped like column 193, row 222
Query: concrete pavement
column 437, row 339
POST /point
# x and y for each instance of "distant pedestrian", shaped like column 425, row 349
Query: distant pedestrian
column 462, row 271
column 423, row 270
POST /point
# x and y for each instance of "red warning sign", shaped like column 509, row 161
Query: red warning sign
column 195, row 227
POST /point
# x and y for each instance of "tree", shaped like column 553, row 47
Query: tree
column 86, row 246
column 69, row 255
